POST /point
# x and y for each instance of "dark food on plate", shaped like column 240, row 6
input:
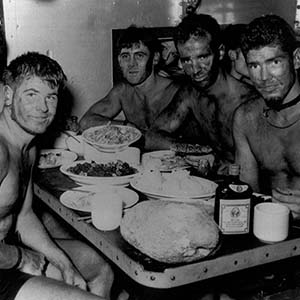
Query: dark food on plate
column 170, row 232
column 192, row 149
column 113, row 135
column 111, row 169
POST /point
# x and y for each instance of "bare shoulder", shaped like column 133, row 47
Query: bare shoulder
column 250, row 109
column 241, row 90
column 113, row 96
column 115, row 92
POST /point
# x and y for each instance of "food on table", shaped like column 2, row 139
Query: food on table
column 81, row 202
column 110, row 169
column 50, row 159
column 194, row 149
column 170, row 232
column 112, row 135
column 164, row 160
column 177, row 182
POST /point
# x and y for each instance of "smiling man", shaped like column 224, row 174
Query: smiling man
column 142, row 94
column 28, row 255
column 267, row 132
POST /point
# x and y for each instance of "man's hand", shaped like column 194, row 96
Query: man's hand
column 34, row 263
column 290, row 198
column 202, row 163
column 67, row 273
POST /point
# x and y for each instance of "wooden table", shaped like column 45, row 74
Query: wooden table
column 231, row 257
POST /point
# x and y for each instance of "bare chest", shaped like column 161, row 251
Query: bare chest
column 277, row 150
column 142, row 108
column 215, row 119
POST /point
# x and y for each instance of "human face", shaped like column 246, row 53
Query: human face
column 272, row 73
column 198, row 61
column 34, row 105
column 135, row 63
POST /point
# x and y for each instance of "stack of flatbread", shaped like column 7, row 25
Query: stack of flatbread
column 170, row 232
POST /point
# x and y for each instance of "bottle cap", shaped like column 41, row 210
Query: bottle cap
column 234, row 169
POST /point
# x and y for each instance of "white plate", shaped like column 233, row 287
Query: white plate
column 208, row 185
column 166, row 160
column 90, row 136
column 96, row 180
column 56, row 158
column 79, row 200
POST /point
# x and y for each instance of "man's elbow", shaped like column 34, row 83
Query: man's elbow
column 84, row 122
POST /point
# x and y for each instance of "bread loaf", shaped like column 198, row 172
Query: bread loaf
column 170, row 232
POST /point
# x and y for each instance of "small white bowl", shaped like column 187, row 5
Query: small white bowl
column 131, row 155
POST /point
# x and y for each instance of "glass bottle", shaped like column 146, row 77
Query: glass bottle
column 73, row 124
column 233, row 204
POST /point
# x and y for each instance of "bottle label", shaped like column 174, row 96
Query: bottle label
column 238, row 188
column 234, row 216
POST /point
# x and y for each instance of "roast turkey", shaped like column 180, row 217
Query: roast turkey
column 170, row 232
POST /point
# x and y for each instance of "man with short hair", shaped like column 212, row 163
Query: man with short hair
column 267, row 130
column 142, row 94
column 213, row 96
column 32, row 83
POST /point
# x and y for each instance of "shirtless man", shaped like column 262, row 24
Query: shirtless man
column 31, row 86
column 267, row 131
column 215, row 95
column 143, row 94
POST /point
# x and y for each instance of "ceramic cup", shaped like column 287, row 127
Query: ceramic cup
column 271, row 222
column 106, row 210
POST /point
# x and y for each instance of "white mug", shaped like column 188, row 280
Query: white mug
column 271, row 222
column 106, row 210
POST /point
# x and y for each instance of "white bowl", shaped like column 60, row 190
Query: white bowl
column 209, row 189
column 96, row 180
column 131, row 155
column 92, row 136
column 78, row 199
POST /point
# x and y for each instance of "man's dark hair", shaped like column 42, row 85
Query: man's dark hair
column 135, row 35
column 34, row 64
column 198, row 26
column 232, row 35
column 269, row 30
column 231, row 38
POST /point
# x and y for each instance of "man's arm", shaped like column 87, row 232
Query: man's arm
column 243, row 154
column 34, row 235
column 162, row 134
column 103, row 110
column 9, row 254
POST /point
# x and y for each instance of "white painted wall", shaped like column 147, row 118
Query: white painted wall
column 77, row 33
